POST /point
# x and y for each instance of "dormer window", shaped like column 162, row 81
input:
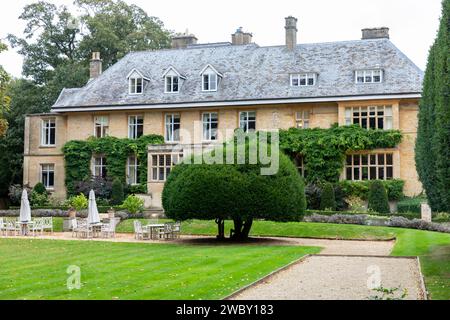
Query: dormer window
column 210, row 78
column 172, row 80
column 303, row 79
column 369, row 76
column 135, row 82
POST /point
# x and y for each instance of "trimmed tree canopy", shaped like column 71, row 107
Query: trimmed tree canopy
column 234, row 191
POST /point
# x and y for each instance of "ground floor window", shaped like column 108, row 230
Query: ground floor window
column 132, row 170
column 247, row 121
column 302, row 119
column 299, row 163
column 48, row 175
column 376, row 166
column 162, row 164
column 100, row 170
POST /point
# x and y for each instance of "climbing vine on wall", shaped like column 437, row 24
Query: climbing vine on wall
column 78, row 156
column 324, row 150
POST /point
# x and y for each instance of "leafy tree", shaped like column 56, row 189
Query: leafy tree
column 378, row 200
column 117, row 194
column 433, row 137
column 4, row 98
column 40, row 188
column 327, row 200
column 116, row 28
column 237, row 192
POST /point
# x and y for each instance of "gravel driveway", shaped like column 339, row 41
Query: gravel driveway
column 338, row 278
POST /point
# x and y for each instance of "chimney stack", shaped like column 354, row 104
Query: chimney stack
column 240, row 37
column 375, row 33
column 95, row 66
column 183, row 40
column 291, row 32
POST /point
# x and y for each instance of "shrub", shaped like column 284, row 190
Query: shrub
column 313, row 193
column 338, row 218
column 40, row 188
column 394, row 188
column 341, row 201
column 133, row 204
column 402, row 222
column 101, row 186
column 137, row 188
column 38, row 199
column 235, row 191
column 327, row 200
column 117, row 192
column 378, row 200
column 79, row 202
column 410, row 204
column 355, row 203
column 15, row 193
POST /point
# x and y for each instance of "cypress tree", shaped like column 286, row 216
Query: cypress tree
column 378, row 199
column 117, row 195
column 433, row 136
column 328, row 199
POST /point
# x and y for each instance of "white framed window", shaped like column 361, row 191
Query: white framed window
column 48, row 132
column 162, row 164
column 247, row 120
column 172, row 124
column 302, row 119
column 99, row 167
column 300, row 164
column 372, row 166
column 369, row 76
column 370, row 117
column 135, row 82
column 210, row 124
column 135, row 126
column 172, row 83
column 133, row 170
column 48, row 175
column 101, row 126
column 303, row 79
column 210, row 78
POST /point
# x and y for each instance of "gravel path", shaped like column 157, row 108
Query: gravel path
column 337, row 278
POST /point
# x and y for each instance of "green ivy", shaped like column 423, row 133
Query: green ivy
column 324, row 150
column 78, row 155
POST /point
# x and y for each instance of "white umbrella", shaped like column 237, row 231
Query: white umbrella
column 25, row 210
column 93, row 216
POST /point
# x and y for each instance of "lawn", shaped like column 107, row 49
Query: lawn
column 36, row 269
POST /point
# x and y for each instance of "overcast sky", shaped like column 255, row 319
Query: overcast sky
column 413, row 23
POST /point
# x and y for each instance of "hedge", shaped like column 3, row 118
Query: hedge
column 410, row 204
column 394, row 188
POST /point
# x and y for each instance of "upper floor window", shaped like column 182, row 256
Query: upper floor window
column 99, row 167
column 210, row 78
column 378, row 166
column 48, row 175
column 133, row 170
column 302, row 119
column 135, row 126
column 162, row 164
column 48, row 135
column 173, row 80
column 101, row 126
column 372, row 117
column 369, row 76
column 303, row 79
column 172, row 127
column 135, row 82
column 247, row 120
column 210, row 124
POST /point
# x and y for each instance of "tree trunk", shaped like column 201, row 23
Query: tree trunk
column 241, row 229
column 221, row 228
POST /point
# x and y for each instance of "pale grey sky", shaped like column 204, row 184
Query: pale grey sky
column 413, row 23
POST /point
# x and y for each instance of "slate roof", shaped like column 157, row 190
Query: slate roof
column 251, row 72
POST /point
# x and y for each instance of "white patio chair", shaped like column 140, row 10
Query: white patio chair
column 48, row 224
column 2, row 226
column 11, row 227
column 73, row 226
column 83, row 228
column 109, row 229
column 37, row 226
column 168, row 231
column 140, row 232
column 176, row 230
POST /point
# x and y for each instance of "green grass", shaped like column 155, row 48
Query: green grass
column 36, row 269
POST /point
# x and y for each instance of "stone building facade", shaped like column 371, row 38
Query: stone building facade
column 224, row 86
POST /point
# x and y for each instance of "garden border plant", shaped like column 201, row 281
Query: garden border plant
column 78, row 155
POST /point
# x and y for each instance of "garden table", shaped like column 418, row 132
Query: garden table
column 154, row 229
column 96, row 229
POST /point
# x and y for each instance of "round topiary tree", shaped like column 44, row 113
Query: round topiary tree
column 378, row 199
column 234, row 191
column 117, row 194
column 40, row 188
column 327, row 199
